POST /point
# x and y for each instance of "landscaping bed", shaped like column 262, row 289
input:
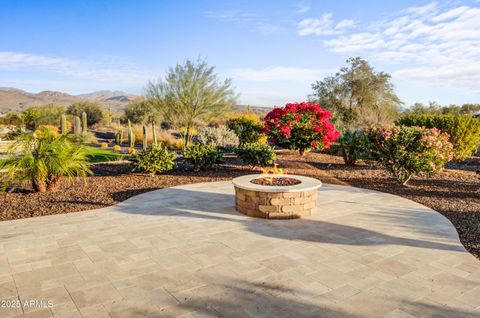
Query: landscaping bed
column 451, row 192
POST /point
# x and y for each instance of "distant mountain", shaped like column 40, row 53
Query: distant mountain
column 254, row 109
column 103, row 94
column 15, row 100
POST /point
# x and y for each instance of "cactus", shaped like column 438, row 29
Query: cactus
column 77, row 129
column 131, row 136
column 145, row 142
column 63, row 124
column 154, row 133
column 119, row 135
column 84, row 122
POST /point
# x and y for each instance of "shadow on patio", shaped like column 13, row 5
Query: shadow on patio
column 218, row 206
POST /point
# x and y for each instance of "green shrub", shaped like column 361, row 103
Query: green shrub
column 352, row 145
column 43, row 160
column 94, row 111
column 256, row 155
column 154, row 160
column 409, row 151
column 464, row 130
column 220, row 137
column 11, row 119
column 48, row 114
column 247, row 127
column 203, row 157
column 83, row 137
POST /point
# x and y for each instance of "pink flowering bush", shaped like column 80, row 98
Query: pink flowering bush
column 300, row 126
column 408, row 151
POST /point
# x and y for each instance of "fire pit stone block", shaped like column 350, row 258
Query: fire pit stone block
column 287, row 202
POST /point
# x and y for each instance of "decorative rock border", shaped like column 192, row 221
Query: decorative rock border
column 276, row 202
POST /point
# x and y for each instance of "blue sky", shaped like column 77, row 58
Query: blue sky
column 273, row 50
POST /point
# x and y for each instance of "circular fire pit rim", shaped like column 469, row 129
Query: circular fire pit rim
column 306, row 184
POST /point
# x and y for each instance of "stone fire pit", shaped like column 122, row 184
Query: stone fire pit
column 286, row 201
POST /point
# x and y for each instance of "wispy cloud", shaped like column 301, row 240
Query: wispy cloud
column 245, row 19
column 95, row 71
column 303, row 8
column 279, row 73
column 323, row 25
column 434, row 44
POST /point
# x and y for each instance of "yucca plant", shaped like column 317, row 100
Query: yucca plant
column 44, row 160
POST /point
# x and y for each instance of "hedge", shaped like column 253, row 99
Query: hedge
column 464, row 130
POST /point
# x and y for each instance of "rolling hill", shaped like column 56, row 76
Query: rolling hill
column 15, row 100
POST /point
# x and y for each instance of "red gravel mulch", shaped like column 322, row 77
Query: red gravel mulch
column 453, row 193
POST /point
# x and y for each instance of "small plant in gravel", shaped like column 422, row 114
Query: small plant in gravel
column 155, row 160
column 104, row 145
column 247, row 127
column 44, row 159
column 256, row 155
column 351, row 145
column 218, row 137
column 301, row 126
column 409, row 151
column 116, row 148
column 203, row 157
column 131, row 151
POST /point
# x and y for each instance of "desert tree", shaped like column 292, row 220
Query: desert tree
column 189, row 92
column 358, row 95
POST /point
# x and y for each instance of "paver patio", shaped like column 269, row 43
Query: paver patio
column 186, row 252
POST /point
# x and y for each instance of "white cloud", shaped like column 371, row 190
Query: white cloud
column 303, row 8
column 421, row 10
column 279, row 73
column 323, row 26
column 433, row 44
column 91, row 71
column 345, row 24
column 246, row 19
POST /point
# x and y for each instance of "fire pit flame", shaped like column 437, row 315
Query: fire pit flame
column 274, row 177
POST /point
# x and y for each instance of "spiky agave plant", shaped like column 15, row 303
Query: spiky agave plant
column 44, row 160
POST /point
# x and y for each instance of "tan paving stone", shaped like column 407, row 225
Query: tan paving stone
column 95, row 295
column 185, row 252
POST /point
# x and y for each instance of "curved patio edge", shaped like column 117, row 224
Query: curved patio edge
column 185, row 252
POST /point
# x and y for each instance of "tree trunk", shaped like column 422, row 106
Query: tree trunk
column 301, row 151
column 52, row 186
column 187, row 135
column 39, row 185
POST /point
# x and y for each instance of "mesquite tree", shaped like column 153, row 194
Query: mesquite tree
column 189, row 92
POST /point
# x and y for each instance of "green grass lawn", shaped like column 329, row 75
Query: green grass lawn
column 100, row 155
